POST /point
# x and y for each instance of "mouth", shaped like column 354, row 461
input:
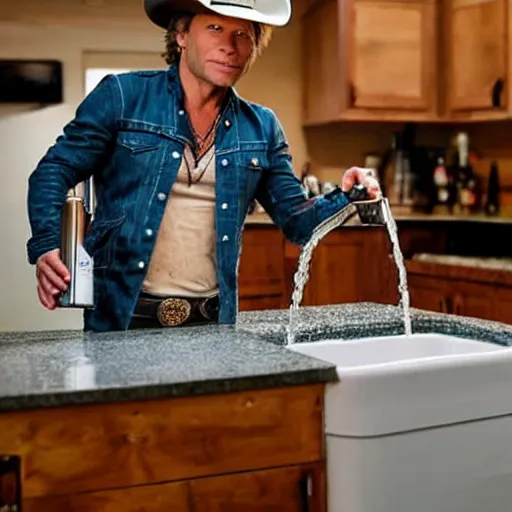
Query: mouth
column 226, row 67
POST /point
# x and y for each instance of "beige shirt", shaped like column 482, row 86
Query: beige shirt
column 184, row 258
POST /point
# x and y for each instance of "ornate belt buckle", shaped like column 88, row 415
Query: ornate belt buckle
column 173, row 312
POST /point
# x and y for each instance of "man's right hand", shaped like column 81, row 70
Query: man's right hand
column 52, row 278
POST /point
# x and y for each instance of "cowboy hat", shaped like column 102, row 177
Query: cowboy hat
column 269, row 12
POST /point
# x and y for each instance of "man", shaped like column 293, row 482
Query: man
column 177, row 158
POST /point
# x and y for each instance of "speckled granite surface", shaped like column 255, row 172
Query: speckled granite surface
column 61, row 368
column 349, row 321
column 64, row 368
column 466, row 261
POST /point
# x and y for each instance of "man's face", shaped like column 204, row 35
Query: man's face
column 218, row 49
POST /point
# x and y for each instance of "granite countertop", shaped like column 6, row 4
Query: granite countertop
column 359, row 320
column 60, row 368
column 504, row 264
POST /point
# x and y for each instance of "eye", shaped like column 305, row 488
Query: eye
column 214, row 28
column 241, row 33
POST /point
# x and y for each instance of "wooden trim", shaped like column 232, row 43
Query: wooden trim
column 346, row 24
column 99, row 447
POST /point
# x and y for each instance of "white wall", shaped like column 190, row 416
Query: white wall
column 25, row 136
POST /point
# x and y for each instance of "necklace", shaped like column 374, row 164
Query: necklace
column 202, row 143
column 200, row 166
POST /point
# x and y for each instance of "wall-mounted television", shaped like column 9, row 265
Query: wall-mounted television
column 30, row 81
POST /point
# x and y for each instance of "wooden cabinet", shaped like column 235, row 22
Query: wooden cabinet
column 372, row 59
column 247, row 451
column 272, row 490
column 409, row 60
column 348, row 265
column 465, row 291
column 261, row 283
column 477, row 52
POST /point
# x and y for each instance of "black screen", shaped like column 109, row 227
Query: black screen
column 30, row 81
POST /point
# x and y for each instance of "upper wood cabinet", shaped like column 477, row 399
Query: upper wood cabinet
column 370, row 59
column 476, row 43
column 406, row 60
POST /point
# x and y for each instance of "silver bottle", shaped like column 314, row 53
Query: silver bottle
column 75, row 221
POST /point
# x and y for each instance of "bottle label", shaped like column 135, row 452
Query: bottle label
column 84, row 279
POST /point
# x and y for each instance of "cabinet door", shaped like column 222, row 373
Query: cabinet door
column 288, row 489
column 348, row 265
column 261, row 270
column 477, row 54
column 429, row 293
column 483, row 301
column 391, row 47
column 502, row 307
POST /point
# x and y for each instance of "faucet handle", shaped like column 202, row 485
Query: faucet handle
column 358, row 193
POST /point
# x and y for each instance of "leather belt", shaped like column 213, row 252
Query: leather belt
column 175, row 311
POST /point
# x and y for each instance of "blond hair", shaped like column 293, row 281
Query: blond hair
column 181, row 23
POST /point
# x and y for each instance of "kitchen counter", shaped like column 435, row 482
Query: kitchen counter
column 60, row 368
column 350, row 321
column 503, row 264
column 260, row 218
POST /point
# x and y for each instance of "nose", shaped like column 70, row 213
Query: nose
column 228, row 43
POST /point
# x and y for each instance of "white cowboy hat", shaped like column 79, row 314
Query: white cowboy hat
column 269, row 12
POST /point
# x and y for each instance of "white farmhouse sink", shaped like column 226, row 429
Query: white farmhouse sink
column 417, row 424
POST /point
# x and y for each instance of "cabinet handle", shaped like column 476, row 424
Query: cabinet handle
column 352, row 94
column 497, row 91
column 10, row 483
column 306, row 491
column 457, row 302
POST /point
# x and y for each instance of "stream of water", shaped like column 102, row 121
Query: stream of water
column 302, row 274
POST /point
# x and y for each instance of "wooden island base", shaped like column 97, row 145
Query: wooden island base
column 246, row 451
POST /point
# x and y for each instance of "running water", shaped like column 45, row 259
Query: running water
column 302, row 274
column 399, row 262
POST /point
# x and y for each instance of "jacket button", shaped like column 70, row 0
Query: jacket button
column 224, row 206
column 149, row 232
column 225, row 238
column 227, row 123
column 181, row 112
column 141, row 264
column 255, row 162
column 161, row 196
column 175, row 154
column 225, row 162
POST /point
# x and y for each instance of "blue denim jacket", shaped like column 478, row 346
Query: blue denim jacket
column 130, row 134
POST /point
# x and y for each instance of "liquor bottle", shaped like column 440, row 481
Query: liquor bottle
column 492, row 203
column 441, row 183
column 465, row 178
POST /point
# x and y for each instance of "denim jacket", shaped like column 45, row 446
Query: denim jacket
column 129, row 133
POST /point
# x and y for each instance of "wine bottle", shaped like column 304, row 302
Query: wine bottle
column 492, row 203
column 464, row 176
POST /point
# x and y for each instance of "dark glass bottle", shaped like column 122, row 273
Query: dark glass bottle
column 492, row 203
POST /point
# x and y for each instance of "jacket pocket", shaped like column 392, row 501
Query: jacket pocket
column 139, row 142
column 100, row 240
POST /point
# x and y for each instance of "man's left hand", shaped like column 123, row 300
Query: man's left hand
column 367, row 177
